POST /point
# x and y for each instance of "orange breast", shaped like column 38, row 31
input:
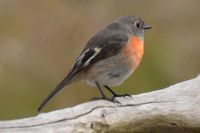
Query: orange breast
column 134, row 51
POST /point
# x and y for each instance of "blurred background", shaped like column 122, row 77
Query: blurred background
column 40, row 39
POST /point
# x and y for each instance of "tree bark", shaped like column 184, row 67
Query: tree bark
column 170, row 110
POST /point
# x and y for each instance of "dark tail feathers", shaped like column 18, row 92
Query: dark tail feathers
column 54, row 91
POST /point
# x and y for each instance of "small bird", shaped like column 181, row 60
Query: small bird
column 108, row 58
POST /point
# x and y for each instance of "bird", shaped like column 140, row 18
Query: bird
column 108, row 58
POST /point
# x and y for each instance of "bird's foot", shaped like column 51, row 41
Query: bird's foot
column 105, row 98
column 121, row 95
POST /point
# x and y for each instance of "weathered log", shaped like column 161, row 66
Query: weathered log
column 173, row 109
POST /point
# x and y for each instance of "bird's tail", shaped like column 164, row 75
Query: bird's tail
column 59, row 87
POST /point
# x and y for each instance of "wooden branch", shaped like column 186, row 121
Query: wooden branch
column 174, row 109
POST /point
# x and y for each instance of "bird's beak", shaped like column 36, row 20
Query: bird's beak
column 145, row 27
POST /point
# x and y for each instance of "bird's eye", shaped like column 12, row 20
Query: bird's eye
column 137, row 24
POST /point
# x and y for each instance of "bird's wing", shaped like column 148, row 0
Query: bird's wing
column 101, row 46
column 98, row 47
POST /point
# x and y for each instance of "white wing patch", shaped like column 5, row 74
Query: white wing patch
column 79, row 60
column 97, row 51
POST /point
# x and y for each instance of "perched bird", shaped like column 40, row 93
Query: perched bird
column 109, row 57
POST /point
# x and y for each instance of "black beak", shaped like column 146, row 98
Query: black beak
column 145, row 27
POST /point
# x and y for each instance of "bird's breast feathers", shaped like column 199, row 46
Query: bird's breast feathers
column 134, row 51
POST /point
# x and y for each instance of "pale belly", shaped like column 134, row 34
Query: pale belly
column 112, row 71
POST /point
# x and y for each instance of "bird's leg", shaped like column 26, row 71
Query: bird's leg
column 102, row 94
column 115, row 94
column 101, row 91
